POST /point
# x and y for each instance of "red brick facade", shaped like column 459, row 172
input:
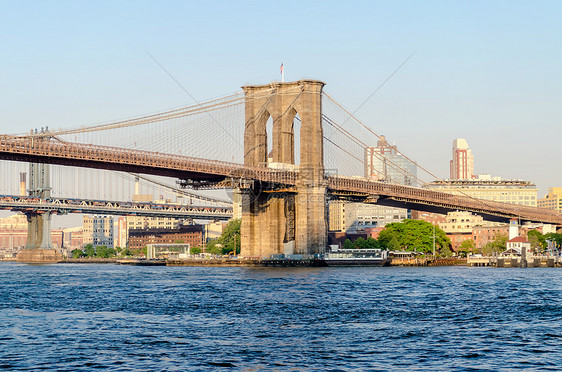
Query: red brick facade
column 190, row 234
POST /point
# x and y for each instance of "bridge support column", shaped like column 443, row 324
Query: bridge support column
column 263, row 224
column 276, row 222
column 311, row 223
column 39, row 247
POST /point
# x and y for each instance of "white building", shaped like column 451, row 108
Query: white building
column 462, row 164
column 98, row 230
column 353, row 217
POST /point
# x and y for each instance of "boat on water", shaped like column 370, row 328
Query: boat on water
column 356, row 257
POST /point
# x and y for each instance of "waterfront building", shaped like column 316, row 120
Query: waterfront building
column 98, row 230
column 483, row 235
column 386, row 164
column 214, row 230
column 459, row 226
column 121, row 230
column 72, row 238
column 516, row 246
column 506, row 191
column 462, row 164
column 185, row 234
column 354, row 217
column 13, row 235
column 552, row 200
column 15, row 221
column 383, row 163
column 144, row 222
column 432, row 218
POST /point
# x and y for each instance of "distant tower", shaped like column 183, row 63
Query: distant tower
column 513, row 228
column 385, row 163
column 23, row 184
column 462, row 165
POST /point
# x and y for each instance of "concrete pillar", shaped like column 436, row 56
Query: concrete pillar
column 39, row 247
column 276, row 223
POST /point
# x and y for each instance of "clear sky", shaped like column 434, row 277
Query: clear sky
column 487, row 71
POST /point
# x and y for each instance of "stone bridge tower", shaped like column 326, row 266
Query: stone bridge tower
column 39, row 248
column 285, row 222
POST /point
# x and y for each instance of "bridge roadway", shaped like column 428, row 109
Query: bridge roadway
column 70, row 205
column 201, row 172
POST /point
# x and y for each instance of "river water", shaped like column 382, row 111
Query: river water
column 80, row 317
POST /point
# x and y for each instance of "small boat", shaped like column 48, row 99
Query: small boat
column 356, row 257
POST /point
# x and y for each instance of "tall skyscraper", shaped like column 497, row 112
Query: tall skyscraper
column 385, row 163
column 462, row 165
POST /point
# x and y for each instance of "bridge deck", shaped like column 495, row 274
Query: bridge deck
column 197, row 170
column 121, row 208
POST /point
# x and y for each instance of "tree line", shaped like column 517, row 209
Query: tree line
column 103, row 251
column 409, row 235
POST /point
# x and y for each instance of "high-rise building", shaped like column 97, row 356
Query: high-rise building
column 552, row 200
column 385, row 163
column 462, row 165
column 121, row 232
column 354, row 217
column 98, row 230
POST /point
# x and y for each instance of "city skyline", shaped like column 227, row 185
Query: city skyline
column 486, row 72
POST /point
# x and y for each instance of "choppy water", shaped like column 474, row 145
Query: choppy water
column 80, row 317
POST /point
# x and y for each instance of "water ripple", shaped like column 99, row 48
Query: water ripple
column 123, row 318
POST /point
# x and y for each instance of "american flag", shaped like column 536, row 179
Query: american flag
column 281, row 67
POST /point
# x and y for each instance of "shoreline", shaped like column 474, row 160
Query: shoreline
column 229, row 262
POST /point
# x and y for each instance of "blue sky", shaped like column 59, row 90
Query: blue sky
column 488, row 71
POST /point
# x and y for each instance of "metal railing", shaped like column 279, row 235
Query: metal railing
column 89, row 155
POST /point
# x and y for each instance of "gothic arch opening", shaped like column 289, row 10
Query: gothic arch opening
column 297, row 127
column 269, row 139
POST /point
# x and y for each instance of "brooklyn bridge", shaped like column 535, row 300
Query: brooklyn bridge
column 286, row 150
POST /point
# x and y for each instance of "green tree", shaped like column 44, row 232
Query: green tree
column 467, row 246
column 348, row 244
column 101, row 251
column 89, row 250
column 126, row 252
column 228, row 242
column 497, row 245
column 144, row 251
column 195, row 250
column 230, row 237
column 445, row 252
column 413, row 235
column 136, row 252
column 372, row 243
column 393, row 244
column 536, row 239
column 360, row 243
column 104, row 251
column 214, row 247
column 77, row 253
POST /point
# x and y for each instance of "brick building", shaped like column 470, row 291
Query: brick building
column 187, row 234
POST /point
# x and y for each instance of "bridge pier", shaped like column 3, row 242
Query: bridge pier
column 39, row 247
column 290, row 222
